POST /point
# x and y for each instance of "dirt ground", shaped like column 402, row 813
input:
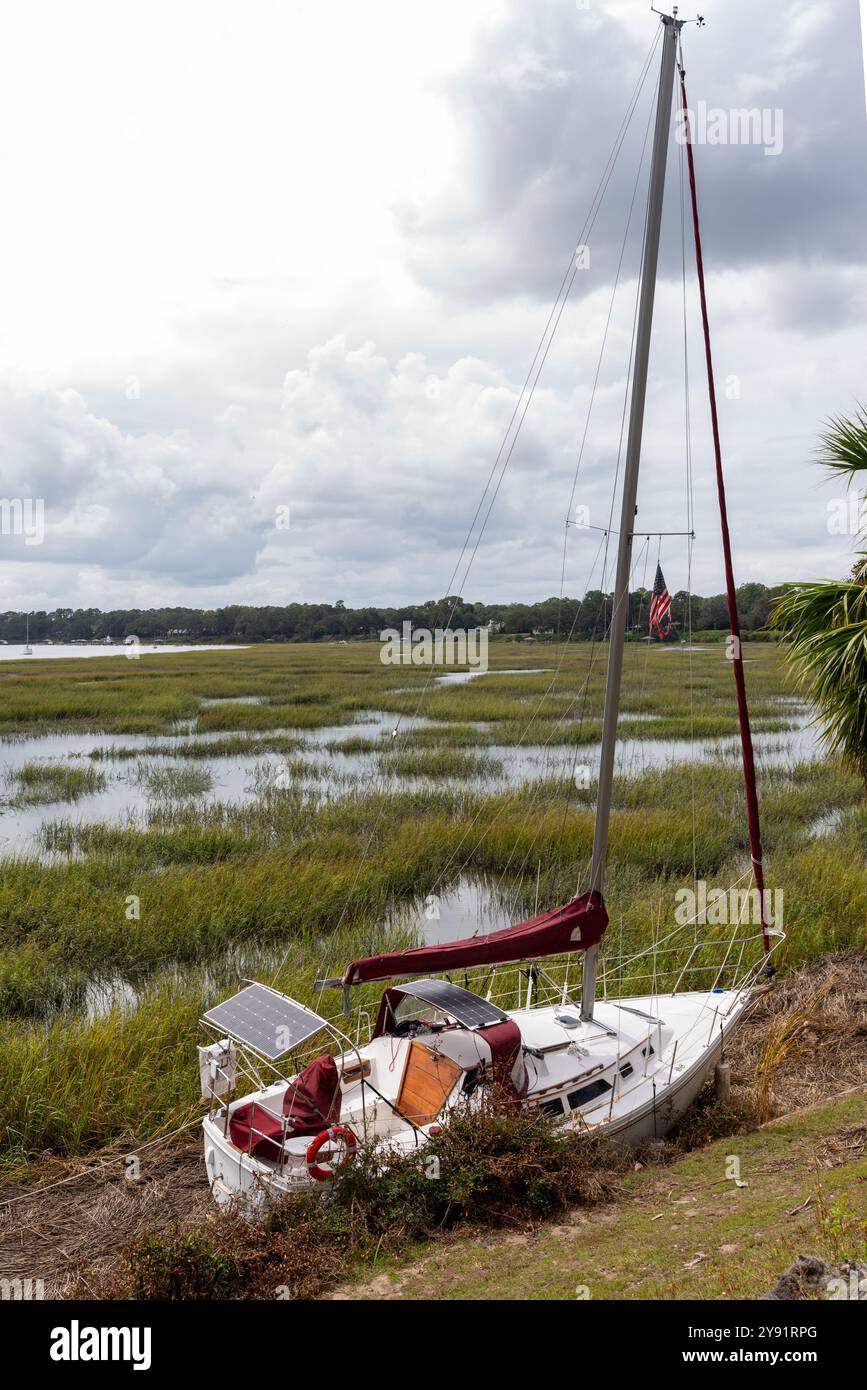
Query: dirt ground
column 805, row 1041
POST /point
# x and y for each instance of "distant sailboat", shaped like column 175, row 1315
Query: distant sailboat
column 28, row 650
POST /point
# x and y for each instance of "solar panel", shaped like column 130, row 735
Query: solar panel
column 265, row 1020
column 466, row 1007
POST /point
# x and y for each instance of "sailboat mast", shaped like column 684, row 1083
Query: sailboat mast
column 617, row 629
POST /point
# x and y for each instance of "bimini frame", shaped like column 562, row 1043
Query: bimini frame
column 254, row 1063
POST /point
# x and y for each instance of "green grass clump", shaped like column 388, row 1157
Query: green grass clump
column 353, row 745
column 232, row 746
column 130, row 850
column 439, row 762
column 42, row 783
column 172, row 783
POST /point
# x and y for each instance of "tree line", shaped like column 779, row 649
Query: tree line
column 316, row 622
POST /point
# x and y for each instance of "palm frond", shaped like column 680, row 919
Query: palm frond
column 843, row 446
column 825, row 626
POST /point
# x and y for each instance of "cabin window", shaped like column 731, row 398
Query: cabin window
column 589, row 1092
column 412, row 1016
column 552, row 1107
column 626, row 1070
column 648, row 1051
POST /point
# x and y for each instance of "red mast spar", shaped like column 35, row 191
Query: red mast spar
column 731, row 597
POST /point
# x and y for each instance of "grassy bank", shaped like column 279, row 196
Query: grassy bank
column 685, row 1231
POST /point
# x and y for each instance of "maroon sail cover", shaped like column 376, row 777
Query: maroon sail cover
column 581, row 923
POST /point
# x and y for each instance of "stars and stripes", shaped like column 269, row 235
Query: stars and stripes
column 660, row 605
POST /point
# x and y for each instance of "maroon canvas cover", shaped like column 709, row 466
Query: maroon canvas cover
column 574, row 927
column 311, row 1104
column 507, row 1060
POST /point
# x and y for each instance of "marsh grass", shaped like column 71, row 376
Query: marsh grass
column 787, row 1040
column 285, row 863
column 232, row 746
column 269, row 779
column 167, row 782
column 303, row 715
column 74, row 1082
column 42, row 783
column 310, row 686
column 355, row 745
column 133, row 851
column 439, row 762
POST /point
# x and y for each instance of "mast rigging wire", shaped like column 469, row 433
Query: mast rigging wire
column 538, row 794
column 513, row 429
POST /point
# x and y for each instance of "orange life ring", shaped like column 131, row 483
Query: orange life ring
column 329, row 1136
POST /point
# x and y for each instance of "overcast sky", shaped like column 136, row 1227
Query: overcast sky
column 298, row 256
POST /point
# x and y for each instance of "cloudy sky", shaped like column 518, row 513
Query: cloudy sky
column 292, row 260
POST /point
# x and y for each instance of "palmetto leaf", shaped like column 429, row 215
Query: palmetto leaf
column 843, row 446
column 825, row 624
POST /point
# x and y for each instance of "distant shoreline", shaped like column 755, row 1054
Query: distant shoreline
column 66, row 651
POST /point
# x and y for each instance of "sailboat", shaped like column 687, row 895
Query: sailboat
column 509, row 1009
column 28, row 650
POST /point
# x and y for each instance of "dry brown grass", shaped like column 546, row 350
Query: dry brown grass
column 805, row 1039
column 842, row 1147
column 788, row 1038
column 55, row 1233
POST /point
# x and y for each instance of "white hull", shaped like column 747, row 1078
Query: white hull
column 629, row 1075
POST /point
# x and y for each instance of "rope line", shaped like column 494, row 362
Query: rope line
column 97, row 1167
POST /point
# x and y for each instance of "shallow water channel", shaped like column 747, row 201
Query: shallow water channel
column 318, row 765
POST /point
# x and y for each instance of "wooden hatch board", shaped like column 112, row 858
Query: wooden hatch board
column 428, row 1079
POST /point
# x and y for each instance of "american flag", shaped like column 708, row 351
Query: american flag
column 660, row 605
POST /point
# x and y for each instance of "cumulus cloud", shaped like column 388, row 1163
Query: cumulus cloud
column 541, row 110
column 168, row 505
